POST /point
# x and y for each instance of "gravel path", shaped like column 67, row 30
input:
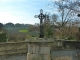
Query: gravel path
column 14, row 57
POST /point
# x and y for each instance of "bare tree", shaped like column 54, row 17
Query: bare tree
column 66, row 10
column 54, row 18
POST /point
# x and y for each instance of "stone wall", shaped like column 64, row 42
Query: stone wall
column 14, row 57
column 39, row 51
column 13, row 48
column 55, row 54
column 63, row 58
column 65, row 55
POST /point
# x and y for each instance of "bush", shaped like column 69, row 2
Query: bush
column 3, row 37
column 78, row 34
column 70, row 38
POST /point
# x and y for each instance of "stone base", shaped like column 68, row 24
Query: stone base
column 62, row 58
column 38, row 57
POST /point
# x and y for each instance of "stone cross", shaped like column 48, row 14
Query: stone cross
column 41, row 16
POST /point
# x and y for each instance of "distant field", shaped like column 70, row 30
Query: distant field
column 24, row 31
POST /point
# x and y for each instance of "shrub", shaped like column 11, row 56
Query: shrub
column 78, row 34
column 3, row 37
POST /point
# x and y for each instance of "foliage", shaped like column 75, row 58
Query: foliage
column 62, row 25
column 78, row 34
column 16, row 36
column 48, row 32
column 70, row 38
column 3, row 37
column 48, row 29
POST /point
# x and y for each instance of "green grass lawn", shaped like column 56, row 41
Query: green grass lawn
column 24, row 31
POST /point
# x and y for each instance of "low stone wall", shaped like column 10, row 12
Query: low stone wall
column 14, row 57
column 63, row 58
column 65, row 55
column 13, row 48
column 57, row 52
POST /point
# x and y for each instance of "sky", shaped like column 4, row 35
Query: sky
column 22, row 11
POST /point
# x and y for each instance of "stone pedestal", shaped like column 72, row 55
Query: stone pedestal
column 39, row 50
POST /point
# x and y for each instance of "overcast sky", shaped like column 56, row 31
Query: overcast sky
column 21, row 11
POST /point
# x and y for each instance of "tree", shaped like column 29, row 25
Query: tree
column 54, row 18
column 18, row 25
column 3, row 37
column 1, row 26
column 9, row 25
column 65, row 12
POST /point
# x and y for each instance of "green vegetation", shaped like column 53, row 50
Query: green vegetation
column 3, row 37
column 23, row 31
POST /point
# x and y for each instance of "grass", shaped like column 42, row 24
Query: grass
column 23, row 31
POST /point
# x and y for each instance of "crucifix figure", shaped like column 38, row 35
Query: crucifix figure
column 41, row 16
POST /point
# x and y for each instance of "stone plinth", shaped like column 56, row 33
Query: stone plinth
column 39, row 50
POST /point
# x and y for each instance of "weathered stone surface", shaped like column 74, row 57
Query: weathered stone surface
column 39, row 49
column 47, row 57
column 33, row 57
column 38, row 57
column 30, row 49
column 45, row 50
column 34, row 49
column 29, row 56
column 62, row 58
column 14, row 57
